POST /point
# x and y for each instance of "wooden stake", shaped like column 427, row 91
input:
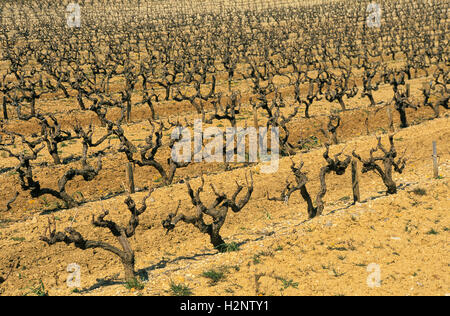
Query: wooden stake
column 391, row 120
column 130, row 178
column 435, row 161
column 355, row 182
column 255, row 118
column 5, row 111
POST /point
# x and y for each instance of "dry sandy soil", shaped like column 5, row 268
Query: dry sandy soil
column 281, row 251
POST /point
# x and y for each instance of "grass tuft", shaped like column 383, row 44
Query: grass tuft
column 134, row 284
column 179, row 289
column 214, row 276
column 228, row 247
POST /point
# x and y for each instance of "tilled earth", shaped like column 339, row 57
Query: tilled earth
column 405, row 235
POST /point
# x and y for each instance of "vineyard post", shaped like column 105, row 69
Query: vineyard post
column 435, row 161
column 5, row 110
column 130, row 178
column 391, row 120
column 255, row 118
column 355, row 182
